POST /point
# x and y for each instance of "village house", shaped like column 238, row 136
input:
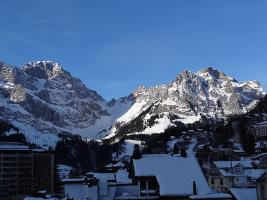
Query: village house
column 172, row 177
column 224, row 175
column 154, row 176
column 149, row 176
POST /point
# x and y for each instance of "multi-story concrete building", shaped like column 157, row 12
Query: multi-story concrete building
column 43, row 166
column 16, row 170
column 25, row 170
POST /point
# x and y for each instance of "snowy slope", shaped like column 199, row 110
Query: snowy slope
column 44, row 101
column 191, row 97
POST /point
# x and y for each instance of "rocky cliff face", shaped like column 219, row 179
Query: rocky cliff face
column 207, row 94
column 41, row 97
column 44, row 100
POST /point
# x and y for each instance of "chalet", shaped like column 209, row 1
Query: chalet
column 154, row 176
column 224, row 175
column 171, row 177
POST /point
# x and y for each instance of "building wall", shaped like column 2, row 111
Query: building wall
column 16, row 172
column 133, row 190
column 43, row 167
column 262, row 189
column 217, row 186
column 110, row 195
column 78, row 191
column 259, row 131
column 84, row 191
column 228, row 182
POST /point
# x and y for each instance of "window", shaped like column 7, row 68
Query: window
column 221, row 181
column 143, row 184
column 212, row 181
column 238, row 170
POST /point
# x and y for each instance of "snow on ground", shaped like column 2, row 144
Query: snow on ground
column 133, row 112
column 119, row 108
column 63, row 171
column 33, row 136
column 94, row 131
column 189, row 119
column 169, row 102
column 100, row 128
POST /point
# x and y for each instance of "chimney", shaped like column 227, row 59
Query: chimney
column 194, row 188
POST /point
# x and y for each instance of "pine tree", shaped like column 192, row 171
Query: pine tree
column 175, row 149
column 136, row 153
column 183, row 152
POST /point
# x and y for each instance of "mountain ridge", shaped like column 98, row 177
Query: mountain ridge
column 44, row 100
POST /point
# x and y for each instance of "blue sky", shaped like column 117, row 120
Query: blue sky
column 114, row 46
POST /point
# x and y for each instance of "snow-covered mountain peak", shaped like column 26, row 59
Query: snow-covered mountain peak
column 211, row 73
column 139, row 91
column 184, row 76
column 207, row 94
column 45, row 70
column 42, row 98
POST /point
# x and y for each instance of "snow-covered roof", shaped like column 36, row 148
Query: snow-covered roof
column 174, row 174
column 229, row 164
column 38, row 149
column 244, row 193
column 251, row 173
column 13, row 147
column 256, row 173
column 212, row 196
